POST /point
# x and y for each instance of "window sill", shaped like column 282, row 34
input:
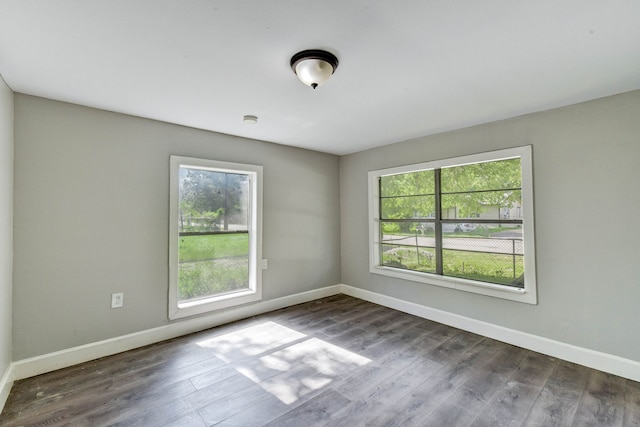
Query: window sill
column 473, row 286
column 205, row 305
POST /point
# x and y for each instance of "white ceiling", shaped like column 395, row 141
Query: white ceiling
column 407, row 68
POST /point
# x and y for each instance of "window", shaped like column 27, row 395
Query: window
column 215, row 235
column 464, row 223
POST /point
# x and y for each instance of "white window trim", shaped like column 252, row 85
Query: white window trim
column 254, row 293
column 528, row 294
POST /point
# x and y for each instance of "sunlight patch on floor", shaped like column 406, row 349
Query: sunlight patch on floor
column 289, row 363
column 316, row 364
column 251, row 341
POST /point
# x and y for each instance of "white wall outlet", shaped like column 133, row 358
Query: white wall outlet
column 265, row 264
column 117, row 300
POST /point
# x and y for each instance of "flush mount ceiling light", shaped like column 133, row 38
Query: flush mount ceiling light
column 314, row 67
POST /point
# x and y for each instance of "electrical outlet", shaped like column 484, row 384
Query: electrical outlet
column 117, row 300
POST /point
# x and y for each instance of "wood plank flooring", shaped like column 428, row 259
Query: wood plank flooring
column 338, row 361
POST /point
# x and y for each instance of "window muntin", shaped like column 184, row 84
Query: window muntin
column 459, row 223
column 215, row 235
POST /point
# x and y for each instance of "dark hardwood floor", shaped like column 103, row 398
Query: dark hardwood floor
column 338, row 361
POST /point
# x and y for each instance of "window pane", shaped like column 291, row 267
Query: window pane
column 213, row 264
column 486, row 252
column 498, row 175
column 408, row 207
column 213, row 201
column 501, row 204
column 214, row 240
column 484, row 267
column 409, row 245
column 407, row 184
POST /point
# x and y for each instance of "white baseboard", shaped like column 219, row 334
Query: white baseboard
column 61, row 359
column 582, row 356
column 5, row 385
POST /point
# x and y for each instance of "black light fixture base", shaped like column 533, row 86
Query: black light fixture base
column 314, row 54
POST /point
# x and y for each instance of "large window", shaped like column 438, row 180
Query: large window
column 215, row 242
column 464, row 223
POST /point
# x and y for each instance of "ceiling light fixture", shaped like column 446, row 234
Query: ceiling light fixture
column 314, row 67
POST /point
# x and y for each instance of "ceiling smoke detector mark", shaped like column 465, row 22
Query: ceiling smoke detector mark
column 250, row 119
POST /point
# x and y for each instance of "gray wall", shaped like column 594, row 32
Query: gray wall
column 6, row 222
column 91, row 218
column 587, row 212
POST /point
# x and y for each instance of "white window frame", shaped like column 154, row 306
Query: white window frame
column 528, row 294
column 254, row 293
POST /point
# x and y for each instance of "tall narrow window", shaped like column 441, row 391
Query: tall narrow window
column 465, row 223
column 215, row 235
